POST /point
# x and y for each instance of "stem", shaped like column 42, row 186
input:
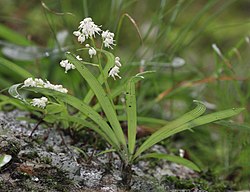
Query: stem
column 126, row 175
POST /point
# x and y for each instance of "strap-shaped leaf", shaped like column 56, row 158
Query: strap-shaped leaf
column 163, row 132
column 102, row 98
column 131, row 110
column 131, row 115
column 202, row 121
column 146, row 120
column 172, row 158
column 208, row 119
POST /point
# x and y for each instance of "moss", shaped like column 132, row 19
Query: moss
column 46, row 160
column 49, row 179
column 210, row 185
column 50, row 148
column 31, row 155
column 10, row 147
column 55, row 178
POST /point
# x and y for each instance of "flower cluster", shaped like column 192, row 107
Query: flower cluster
column 108, row 38
column 40, row 102
column 88, row 29
column 67, row 65
column 116, row 69
column 37, row 82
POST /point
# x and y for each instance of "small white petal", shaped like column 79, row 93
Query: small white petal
column 39, row 102
column 114, row 72
column 108, row 39
column 77, row 33
column 92, row 52
column 78, row 58
column 81, row 38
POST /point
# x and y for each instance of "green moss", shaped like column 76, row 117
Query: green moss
column 31, row 155
column 10, row 147
column 55, row 178
column 50, row 148
column 210, row 185
column 46, row 160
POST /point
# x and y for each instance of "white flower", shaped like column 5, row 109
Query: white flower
column 78, row 58
column 108, row 39
column 59, row 88
column 40, row 83
column 77, row 33
column 114, row 72
column 92, row 52
column 29, row 82
column 67, row 65
column 81, row 38
column 39, row 102
column 181, row 153
column 87, row 29
column 117, row 62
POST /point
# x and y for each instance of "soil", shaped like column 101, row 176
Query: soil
column 52, row 160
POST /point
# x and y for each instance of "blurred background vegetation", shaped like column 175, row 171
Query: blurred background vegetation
column 149, row 34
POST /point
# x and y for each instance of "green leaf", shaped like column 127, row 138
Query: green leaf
column 146, row 120
column 131, row 115
column 50, row 118
column 194, row 123
column 172, row 158
column 102, row 98
column 15, row 68
column 234, row 125
column 12, row 36
column 162, row 133
column 12, row 101
column 54, row 108
column 106, row 151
